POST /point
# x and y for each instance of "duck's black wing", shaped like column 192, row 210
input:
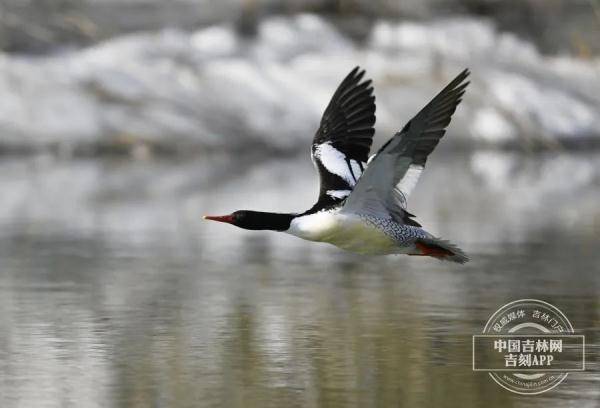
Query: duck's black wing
column 341, row 146
column 394, row 171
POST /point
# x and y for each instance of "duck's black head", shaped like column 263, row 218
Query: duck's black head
column 255, row 220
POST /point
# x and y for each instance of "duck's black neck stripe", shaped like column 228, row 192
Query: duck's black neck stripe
column 258, row 220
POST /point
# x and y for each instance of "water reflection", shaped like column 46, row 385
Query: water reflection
column 172, row 315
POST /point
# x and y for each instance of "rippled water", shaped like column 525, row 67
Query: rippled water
column 106, row 301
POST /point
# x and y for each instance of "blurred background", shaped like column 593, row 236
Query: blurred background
column 123, row 122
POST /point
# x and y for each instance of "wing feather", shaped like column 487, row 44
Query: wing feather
column 393, row 172
column 342, row 143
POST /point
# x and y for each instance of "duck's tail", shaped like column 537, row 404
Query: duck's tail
column 440, row 249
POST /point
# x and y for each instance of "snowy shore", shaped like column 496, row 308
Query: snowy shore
column 213, row 90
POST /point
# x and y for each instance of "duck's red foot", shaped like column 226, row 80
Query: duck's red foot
column 427, row 249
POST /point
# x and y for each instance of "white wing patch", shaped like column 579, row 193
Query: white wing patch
column 410, row 179
column 356, row 169
column 338, row 193
column 335, row 162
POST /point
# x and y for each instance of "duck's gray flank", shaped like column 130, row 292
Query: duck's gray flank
column 404, row 235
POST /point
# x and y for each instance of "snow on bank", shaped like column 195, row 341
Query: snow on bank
column 212, row 89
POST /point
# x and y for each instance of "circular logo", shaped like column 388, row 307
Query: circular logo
column 524, row 344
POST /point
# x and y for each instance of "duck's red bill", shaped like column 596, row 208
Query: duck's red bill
column 221, row 218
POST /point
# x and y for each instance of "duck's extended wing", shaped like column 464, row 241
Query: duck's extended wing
column 394, row 171
column 341, row 146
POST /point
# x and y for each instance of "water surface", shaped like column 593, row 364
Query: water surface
column 113, row 292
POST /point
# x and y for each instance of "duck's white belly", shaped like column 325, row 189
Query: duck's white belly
column 345, row 231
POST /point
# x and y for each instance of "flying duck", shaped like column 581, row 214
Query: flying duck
column 362, row 204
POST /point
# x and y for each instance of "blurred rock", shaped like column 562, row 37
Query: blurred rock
column 176, row 92
column 43, row 25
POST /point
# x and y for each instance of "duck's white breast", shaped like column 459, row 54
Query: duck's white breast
column 346, row 231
